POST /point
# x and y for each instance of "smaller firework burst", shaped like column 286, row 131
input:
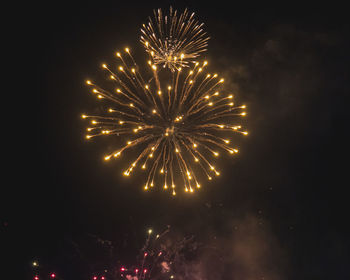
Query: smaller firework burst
column 161, row 257
column 173, row 40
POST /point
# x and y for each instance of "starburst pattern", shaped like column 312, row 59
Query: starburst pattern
column 173, row 40
column 177, row 122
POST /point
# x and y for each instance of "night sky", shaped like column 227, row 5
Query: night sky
column 279, row 210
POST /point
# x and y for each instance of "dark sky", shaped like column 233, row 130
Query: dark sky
column 286, row 189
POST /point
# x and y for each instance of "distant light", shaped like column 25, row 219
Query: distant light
column 103, row 278
column 35, row 264
column 53, row 275
column 36, row 277
column 94, row 278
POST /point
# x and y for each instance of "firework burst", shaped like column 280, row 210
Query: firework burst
column 161, row 257
column 153, row 260
column 173, row 40
column 177, row 122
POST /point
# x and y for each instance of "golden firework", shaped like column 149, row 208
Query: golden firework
column 173, row 40
column 178, row 121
